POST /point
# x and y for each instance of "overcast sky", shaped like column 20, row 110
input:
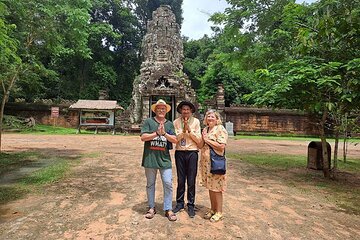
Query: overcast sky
column 197, row 12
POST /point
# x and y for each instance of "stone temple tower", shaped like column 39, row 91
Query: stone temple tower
column 161, row 74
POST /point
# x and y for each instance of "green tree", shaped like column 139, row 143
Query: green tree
column 208, row 63
column 145, row 8
column 47, row 32
column 321, row 73
column 10, row 62
column 117, row 49
column 76, row 48
column 196, row 57
column 296, row 55
column 241, row 47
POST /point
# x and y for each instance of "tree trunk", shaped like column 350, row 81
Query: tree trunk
column 325, row 153
column 4, row 100
column 81, row 76
column 345, row 147
column 336, row 150
column 345, row 136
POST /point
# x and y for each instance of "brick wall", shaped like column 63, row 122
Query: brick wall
column 247, row 119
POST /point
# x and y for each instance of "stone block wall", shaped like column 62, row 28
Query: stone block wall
column 262, row 120
column 42, row 113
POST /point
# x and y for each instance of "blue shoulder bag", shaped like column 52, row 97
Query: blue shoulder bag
column 218, row 162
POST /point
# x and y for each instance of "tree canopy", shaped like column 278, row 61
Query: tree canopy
column 267, row 52
column 288, row 55
column 73, row 49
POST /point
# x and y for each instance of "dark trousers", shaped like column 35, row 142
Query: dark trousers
column 186, row 168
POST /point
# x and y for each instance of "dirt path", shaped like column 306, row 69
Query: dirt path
column 105, row 198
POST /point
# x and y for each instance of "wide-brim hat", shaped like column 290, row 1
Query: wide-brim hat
column 186, row 103
column 161, row 102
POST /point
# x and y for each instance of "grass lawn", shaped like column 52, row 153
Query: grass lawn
column 45, row 129
column 294, row 138
column 285, row 162
column 48, row 130
column 52, row 169
column 343, row 191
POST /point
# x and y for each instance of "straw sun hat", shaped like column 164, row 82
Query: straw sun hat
column 161, row 102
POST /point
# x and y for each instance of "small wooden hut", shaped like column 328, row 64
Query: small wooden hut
column 96, row 113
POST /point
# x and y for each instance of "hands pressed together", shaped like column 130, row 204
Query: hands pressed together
column 161, row 129
column 186, row 125
column 205, row 135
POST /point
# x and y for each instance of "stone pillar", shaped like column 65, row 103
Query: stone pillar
column 220, row 101
column 146, row 108
column 103, row 94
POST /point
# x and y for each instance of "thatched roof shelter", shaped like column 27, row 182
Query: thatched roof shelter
column 96, row 105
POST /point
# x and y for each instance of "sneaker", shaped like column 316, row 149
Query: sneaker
column 178, row 208
column 191, row 211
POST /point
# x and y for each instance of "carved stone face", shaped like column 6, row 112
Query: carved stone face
column 161, row 55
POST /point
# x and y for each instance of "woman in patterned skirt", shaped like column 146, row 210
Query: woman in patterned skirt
column 215, row 136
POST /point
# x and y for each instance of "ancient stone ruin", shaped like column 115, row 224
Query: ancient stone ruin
column 161, row 74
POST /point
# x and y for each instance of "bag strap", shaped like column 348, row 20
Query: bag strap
column 214, row 150
column 212, row 147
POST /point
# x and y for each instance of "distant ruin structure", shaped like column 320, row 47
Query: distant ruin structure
column 161, row 73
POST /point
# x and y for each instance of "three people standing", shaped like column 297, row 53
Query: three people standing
column 186, row 133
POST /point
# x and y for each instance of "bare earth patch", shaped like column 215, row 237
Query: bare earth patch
column 104, row 198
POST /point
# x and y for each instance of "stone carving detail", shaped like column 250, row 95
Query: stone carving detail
column 161, row 70
column 162, row 83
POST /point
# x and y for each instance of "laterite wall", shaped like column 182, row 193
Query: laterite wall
column 247, row 119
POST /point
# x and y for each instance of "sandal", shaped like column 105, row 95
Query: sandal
column 150, row 213
column 209, row 214
column 216, row 217
column 170, row 215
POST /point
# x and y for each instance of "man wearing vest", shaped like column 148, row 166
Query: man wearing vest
column 188, row 134
column 156, row 132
